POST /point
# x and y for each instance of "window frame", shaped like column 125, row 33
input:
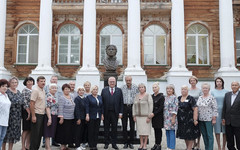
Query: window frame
column 69, row 36
column 196, row 36
column 155, row 46
column 27, row 44
column 237, row 42
column 111, row 35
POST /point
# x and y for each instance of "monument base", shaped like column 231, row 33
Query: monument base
column 108, row 74
column 4, row 74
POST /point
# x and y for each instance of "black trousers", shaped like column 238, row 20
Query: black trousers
column 93, row 131
column 79, row 130
column 232, row 132
column 110, row 119
column 85, row 133
column 158, row 135
column 127, row 114
column 36, row 132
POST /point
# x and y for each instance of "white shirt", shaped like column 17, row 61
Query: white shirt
column 110, row 89
column 233, row 97
column 5, row 105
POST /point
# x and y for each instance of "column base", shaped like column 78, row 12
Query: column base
column 228, row 77
column 47, row 72
column 178, row 79
column 4, row 74
column 138, row 75
column 90, row 74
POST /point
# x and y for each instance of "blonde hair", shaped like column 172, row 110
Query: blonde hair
column 193, row 77
column 184, row 86
column 93, row 87
column 141, row 84
column 80, row 88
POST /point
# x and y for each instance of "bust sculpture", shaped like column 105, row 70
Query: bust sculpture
column 110, row 62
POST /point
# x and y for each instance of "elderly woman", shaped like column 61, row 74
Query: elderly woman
column 80, row 114
column 187, row 116
column 219, row 93
column 50, row 119
column 207, row 112
column 142, row 110
column 26, row 122
column 157, row 115
column 94, row 115
column 5, row 109
column 14, row 128
column 65, row 125
column 170, row 116
column 195, row 93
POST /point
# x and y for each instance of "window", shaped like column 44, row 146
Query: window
column 69, row 45
column 197, row 45
column 238, row 44
column 154, row 45
column 110, row 34
column 27, row 44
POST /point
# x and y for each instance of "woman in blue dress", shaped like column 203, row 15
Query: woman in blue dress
column 219, row 93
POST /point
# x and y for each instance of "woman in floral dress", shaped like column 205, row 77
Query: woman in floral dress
column 14, row 125
column 50, row 119
column 170, row 113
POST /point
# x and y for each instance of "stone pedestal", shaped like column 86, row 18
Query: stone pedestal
column 108, row 74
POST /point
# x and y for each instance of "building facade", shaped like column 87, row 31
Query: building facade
column 157, row 40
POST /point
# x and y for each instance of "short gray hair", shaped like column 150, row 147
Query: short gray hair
column 52, row 85
column 206, row 84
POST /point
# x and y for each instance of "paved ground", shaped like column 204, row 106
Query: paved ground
column 180, row 144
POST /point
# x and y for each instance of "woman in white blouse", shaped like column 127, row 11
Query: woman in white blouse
column 5, row 108
column 207, row 112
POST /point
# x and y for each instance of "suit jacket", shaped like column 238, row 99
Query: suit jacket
column 231, row 114
column 118, row 99
column 80, row 112
column 92, row 108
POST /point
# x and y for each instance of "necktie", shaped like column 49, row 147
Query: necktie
column 111, row 91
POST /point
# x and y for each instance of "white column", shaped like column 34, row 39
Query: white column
column 3, row 13
column 134, row 51
column 227, row 69
column 89, row 72
column 178, row 74
column 45, row 40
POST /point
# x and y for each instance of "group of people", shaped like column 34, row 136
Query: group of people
column 72, row 118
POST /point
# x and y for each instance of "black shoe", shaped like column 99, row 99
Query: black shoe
column 154, row 147
column 114, row 146
column 71, row 146
column 43, row 146
column 55, row 144
column 159, row 147
column 125, row 146
column 106, row 146
column 139, row 148
column 131, row 146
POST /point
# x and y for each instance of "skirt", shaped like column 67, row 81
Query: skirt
column 49, row 131
column 65, row 132
column 143, row 128
column 26, row 124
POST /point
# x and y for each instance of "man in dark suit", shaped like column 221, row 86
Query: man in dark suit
column 231, row 116
column 112, row 98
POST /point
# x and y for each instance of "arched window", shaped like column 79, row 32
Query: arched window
column 110, row 34
column 69, row 45
column 154, row 45
column 27, row 44
column 197, row 45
